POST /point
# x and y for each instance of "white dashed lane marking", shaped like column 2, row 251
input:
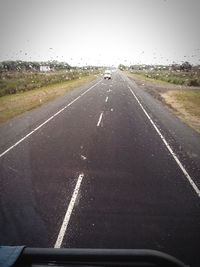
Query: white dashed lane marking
column 100, row 119
column 68, row 213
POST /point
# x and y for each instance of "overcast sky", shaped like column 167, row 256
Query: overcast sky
column 101, row 31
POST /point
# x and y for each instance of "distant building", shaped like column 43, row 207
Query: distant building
column 45, row 68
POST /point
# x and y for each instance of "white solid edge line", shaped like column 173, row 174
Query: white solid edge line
column 49, row 119
column 192, row 183
column 100, row 118
column 106, row 99
column 63, row 228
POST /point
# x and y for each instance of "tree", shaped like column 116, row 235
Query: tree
column 121, row 67
column 186, row 66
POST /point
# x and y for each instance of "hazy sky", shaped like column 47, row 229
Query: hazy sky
column 100, row 32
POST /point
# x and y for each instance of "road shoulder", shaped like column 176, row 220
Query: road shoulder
column 183, row 101
column 184, row 140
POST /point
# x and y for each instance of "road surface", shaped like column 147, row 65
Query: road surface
column 106, row 166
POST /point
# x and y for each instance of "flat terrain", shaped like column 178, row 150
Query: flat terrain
column 104, row 166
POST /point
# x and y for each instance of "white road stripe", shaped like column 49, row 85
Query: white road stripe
column 100, row 118
column 192, row 183
column 45, row 122
column 106, row 99
column 65, row 223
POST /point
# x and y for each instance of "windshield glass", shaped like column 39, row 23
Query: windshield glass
column 100, row 125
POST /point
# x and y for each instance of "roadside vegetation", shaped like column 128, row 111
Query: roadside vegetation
column 180, row 78
column 26, row 76
column 24, row 86
column 184, row 74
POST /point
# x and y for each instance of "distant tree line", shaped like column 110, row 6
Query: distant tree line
column 19, row 65
column 185, row 66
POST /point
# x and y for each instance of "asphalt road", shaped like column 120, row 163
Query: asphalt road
column 106, row 166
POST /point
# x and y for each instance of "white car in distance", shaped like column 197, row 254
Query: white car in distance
column 107, row 75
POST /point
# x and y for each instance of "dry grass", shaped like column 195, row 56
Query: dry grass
column 186, row 104
column 13, row 105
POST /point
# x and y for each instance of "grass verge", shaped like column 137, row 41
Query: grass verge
column 15, row 104
column 141, row 77
column 186, row 104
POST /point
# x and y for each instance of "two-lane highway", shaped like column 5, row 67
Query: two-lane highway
column 100, row 173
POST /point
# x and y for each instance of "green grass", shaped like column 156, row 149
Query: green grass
column 191, row 78
column 141, row 77
column 15, row 104
column 16, row 82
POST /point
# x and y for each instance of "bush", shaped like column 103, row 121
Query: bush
column 193, row 82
